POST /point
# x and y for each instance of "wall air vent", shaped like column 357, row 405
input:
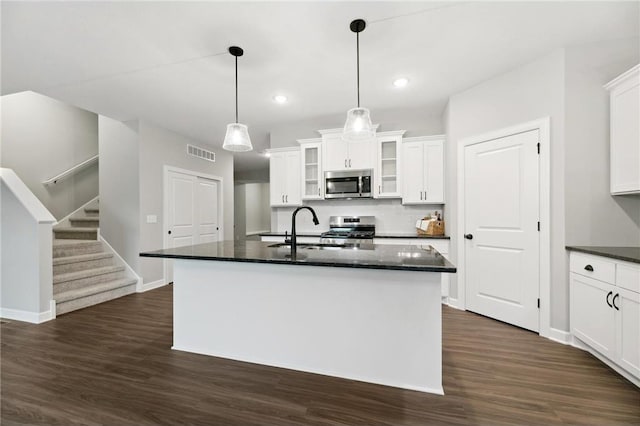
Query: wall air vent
column 201, row 153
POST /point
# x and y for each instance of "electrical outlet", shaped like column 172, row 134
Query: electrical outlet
column 152, row 218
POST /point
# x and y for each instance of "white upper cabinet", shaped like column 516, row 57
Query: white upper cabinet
column 423, row 170
column 388, row 179
column 284, row 177
column 625, row 132
column 312, row 170
column 339, row 154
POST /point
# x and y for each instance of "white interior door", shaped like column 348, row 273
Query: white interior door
column 181, row 219
column 193, row 212
column 501, row 214
column 207, row 210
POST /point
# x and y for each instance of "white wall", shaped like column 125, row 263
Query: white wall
column 239, row 212
column 160, row 147
column 257, row 208
column 42, row 137
column 26, row 280
column 120, row 188
column 593, row 215
column 391, row 216
column 527, row 93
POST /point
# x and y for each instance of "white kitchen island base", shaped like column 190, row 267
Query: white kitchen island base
column 373, row 325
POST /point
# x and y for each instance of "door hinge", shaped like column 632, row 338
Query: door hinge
column 538, row 147
column 538, row 303
column 538, row 226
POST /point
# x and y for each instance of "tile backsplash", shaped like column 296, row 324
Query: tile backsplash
column 391, row 215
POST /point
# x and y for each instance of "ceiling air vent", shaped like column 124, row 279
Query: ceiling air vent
column 201, row 153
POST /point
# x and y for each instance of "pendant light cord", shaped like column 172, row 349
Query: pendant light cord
column 236, row 89
column 358, row 64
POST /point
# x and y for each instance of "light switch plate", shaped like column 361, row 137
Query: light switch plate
column 152, row 218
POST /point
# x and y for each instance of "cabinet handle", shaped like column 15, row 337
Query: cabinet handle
column 420, row 195
column 286, row 198
column 349, row 162
column 589, row 268
column 614, row 301
column 425, row 195
column 345, row 163
column 283, row 198
column 379, row 189
column 608, row 296
column 318, row 191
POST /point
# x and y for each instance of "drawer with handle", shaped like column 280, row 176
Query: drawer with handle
column 593, row 266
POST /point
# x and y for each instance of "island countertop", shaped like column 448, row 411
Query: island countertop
column 370, row 256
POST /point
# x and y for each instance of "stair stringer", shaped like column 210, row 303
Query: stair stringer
column 118, row 260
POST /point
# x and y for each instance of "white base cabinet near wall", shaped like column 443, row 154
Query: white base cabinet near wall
column 605, row 308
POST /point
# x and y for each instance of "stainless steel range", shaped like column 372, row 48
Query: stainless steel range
column 350, row 230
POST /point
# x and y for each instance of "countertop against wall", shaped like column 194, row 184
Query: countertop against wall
column 628, row 254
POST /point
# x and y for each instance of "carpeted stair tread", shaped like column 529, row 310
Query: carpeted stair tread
column 93, row 289
column 80, row 258
column 88, row 221
column 71, row 276
column 71, row 242
column 74, row 229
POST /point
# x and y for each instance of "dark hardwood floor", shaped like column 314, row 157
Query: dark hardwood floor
column 112, row 365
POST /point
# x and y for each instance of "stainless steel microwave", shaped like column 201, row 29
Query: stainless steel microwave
column 348, row 184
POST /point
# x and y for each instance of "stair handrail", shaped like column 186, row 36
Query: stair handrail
column 36, row 209
column 71, row 171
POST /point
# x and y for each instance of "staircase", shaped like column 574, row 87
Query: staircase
column 84, row 273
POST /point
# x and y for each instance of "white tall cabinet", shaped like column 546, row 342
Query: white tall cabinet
column 312, row 169
column 423, row 170
column 388, row 173
column 284, row 176
column 625, row 132
column 605, row 308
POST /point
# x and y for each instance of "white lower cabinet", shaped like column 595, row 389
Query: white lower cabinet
column 604, row 314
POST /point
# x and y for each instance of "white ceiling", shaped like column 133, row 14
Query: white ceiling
column 167, row 62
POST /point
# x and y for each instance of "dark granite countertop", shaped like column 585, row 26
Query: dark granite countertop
column 381, row 235
column 629, row 254
column 371, row 256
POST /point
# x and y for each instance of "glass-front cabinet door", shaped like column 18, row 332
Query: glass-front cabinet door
column 312, row 182
column 388, row 176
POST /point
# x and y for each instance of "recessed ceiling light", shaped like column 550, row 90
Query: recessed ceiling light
column 280, row 99
column 400, row 82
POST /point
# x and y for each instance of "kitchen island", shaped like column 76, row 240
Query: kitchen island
column 364, row 312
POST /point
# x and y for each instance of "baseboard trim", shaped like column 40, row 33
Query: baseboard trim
column 65, row 220
column 26, row 316
column 577, row 343
column 150, row 286
column 559, row 336
column 248, row 234
column 128, row 268
column 454, row 303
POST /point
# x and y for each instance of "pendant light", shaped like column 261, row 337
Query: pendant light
column 237, row 138
column 358, row 125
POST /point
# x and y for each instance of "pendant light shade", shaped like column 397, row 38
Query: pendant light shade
column 358, row 125
column 237, row 137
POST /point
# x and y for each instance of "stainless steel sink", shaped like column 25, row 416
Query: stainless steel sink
column 314, row 246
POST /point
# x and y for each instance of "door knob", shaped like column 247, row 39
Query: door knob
column 468, row 236
column 169, row 232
